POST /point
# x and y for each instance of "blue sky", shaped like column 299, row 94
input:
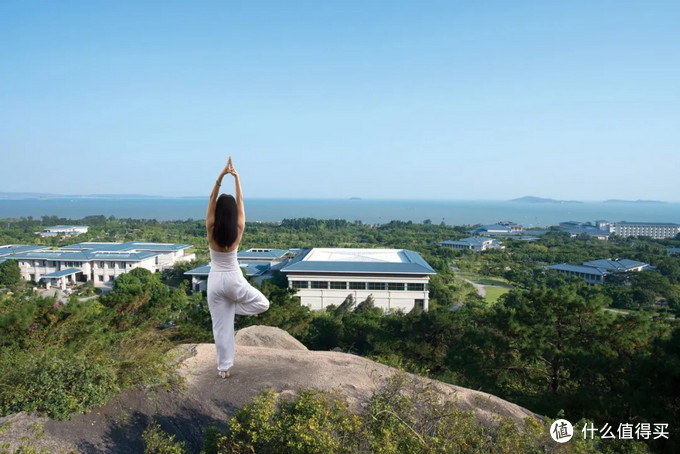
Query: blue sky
column 377, row 99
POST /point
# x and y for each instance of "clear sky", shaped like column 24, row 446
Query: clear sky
column 376, row 99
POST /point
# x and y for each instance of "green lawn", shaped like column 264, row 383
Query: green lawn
column 493, row 293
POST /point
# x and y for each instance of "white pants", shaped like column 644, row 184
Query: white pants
column 230, row 293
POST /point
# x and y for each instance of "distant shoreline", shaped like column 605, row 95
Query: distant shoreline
column 373, row 211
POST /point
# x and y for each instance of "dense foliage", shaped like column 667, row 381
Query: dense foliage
column 548, row 344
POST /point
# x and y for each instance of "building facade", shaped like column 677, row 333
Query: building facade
column 97, row 262
column 656, row 230
column 474, row 244
column 397, row 279
column 64, row 230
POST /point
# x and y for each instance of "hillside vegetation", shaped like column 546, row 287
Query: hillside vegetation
column 547, row 344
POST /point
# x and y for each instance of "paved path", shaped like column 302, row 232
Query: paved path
column 481, row 291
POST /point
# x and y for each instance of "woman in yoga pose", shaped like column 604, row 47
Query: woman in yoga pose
column 228, row 291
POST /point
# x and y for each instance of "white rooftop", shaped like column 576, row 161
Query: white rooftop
column 356, row 255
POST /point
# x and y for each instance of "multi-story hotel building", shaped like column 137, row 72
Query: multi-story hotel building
column 657, row 230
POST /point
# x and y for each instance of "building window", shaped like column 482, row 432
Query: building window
column 101, row 264
column 101, row 278
column 416, row 287
column 357, row 285
column 112, row 264
column 300, row 284
column 395, row 286
column 339, row 285
column 319, row 284
column 376, row 286
column 419, row 305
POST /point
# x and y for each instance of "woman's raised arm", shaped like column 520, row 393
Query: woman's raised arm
column 241, row 222
column 212, row 202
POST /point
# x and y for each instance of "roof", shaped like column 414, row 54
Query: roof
column 130, row 251
column 261, row 253
column 254, row 268
column 361, row 261
column 10, row 250
column 578, row 269
column 615, row 264
column 251, row 268
column 62, row 273
column 472, row 241
column 66, row 227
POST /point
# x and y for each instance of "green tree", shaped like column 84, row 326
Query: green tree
column 10, row 274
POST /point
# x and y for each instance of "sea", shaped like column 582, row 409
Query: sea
column 370, row 211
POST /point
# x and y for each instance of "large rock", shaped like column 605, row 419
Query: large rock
column 207, row 399
column 267, row 336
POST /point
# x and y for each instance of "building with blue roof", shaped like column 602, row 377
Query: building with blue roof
column 595, row 271
column 575, row 228
column 474, row 244
column 199, row 275
column 9, row 251
column 64, row 230
column 264, row 255
column 396, row 278
column 500, row 228
column 93, row 261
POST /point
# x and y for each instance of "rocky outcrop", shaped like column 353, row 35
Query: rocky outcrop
column 266, row 358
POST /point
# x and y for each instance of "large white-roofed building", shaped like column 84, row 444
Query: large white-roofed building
column 396, row 278
column 99, row 262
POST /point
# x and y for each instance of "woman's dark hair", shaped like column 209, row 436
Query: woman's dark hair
column 225, row 231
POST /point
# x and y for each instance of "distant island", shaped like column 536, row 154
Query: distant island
column 633, row 201
column 355, row 198
column 532, row 199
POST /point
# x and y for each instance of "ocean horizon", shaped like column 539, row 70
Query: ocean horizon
column 371, row 211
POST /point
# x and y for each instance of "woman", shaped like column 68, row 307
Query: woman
column 228, row 291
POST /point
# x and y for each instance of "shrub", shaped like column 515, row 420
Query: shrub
column 158, row 442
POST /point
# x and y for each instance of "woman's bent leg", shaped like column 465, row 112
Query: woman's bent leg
column 251, row 301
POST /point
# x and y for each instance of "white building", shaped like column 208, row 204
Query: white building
column 474, row 244
column 657, row 230
column 396, row 278
column 64, row 230
column 98, row 262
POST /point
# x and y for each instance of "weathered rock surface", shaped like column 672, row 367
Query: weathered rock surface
column 266, row 358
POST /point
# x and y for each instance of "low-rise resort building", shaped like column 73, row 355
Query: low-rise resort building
column 501, row 228
column 397, row 279
column 64, row 230
column 474, row 244
column 255, row 262
column 90, row 261
column 596, row 271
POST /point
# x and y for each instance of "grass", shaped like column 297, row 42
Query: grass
column 493, row 293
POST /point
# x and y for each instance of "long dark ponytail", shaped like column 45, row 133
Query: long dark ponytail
column 225, row 231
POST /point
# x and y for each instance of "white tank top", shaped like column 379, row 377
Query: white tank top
column 222, row 262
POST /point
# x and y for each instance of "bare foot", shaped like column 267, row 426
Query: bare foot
column 224, row 374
